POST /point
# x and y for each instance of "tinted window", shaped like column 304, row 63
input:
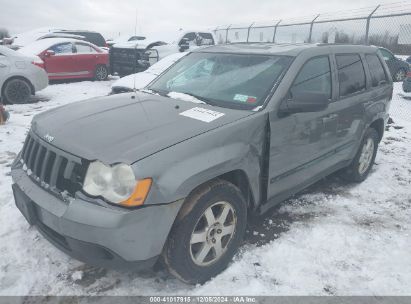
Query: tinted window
column 386, row 54
column 207, row 39
column 187, row 38
column 376, row 69
column 314, row 77
column 62, row 48
column 84, row 49
column 351, row 75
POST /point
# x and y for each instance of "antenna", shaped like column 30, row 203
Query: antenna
column 135, row 25
column 135, row 54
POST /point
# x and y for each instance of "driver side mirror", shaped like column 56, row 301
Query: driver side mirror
column 303, row 103
column 50, row 53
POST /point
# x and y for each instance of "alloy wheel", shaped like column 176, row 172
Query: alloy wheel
column 400, row 75
column 366, row 156
column 212, row 233
column 17, row 91
column 101, row 72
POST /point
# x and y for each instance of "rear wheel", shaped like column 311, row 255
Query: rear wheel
column 101, row 73
column 204, row 240
column 16, row 90
column 364, row 159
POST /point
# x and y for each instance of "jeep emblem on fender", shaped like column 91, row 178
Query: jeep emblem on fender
column 48, row 138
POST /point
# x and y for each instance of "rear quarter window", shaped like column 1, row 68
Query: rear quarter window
column 376, row 70
column 351, row 74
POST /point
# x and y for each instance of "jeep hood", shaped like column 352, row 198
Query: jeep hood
column 120, row 128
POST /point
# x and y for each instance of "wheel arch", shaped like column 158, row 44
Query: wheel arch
column 17, row 77
column 378, row 125
column 236, row 177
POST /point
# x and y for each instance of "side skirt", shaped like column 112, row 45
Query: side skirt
column 275, row 200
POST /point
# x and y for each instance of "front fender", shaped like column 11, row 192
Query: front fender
column 179, row 169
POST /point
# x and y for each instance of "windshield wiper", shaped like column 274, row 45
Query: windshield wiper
column 201, row 98
column 154, row 91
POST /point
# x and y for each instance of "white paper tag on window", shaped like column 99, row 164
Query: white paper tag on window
column 202, row 114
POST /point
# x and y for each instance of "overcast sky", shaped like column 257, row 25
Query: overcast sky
column 158, row 17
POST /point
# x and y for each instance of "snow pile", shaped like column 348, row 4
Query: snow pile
column 333, row 239
column 184, row 97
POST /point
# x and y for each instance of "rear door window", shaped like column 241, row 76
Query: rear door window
column 351, row 74
column 314, row 77
column 376, row 70
column 84, row 49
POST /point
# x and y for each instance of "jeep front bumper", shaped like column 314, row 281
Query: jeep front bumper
column 95, row 234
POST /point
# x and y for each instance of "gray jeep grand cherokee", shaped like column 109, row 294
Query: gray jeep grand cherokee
column 174, row 170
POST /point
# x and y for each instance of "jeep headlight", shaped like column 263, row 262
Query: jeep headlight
column 116, row 184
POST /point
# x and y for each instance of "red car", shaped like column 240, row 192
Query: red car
column 70, row 58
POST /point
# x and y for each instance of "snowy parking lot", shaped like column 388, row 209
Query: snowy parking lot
column 333, row 239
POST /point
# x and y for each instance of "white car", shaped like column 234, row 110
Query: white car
column 20, row 76
column 140, row 80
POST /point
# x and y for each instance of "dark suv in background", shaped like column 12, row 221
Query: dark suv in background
column 227, row 131
column 89, row 36
column 398, row 67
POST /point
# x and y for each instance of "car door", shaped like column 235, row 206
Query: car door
column 85, row 59
column 60, row 63
column 4, row 68
column 353, row 98
column 302, row 144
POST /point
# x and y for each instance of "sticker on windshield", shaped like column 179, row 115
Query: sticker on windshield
column 240, row 97
column 245, row 98
column 202, row 114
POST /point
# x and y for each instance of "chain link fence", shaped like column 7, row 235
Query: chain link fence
column 386, row 25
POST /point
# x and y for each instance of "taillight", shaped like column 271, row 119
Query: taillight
column 39, row 64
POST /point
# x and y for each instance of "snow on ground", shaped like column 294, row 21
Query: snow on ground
column 333, row 239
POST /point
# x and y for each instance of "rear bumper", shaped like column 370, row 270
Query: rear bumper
column 96, row 234
column 40, row 80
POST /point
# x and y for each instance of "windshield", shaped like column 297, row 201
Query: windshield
column 226, row 80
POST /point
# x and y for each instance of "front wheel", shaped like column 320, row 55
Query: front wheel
column 205, row 239
column 101, row 73
column 16, row 91
column 400, row 75
column 361, row 166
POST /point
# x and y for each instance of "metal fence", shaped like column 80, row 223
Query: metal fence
column 387, row 25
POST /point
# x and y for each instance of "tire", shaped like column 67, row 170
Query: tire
column 400, row 75
column 362, row 164
column 16, row 91
column 101, row 73
column 192, row 252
